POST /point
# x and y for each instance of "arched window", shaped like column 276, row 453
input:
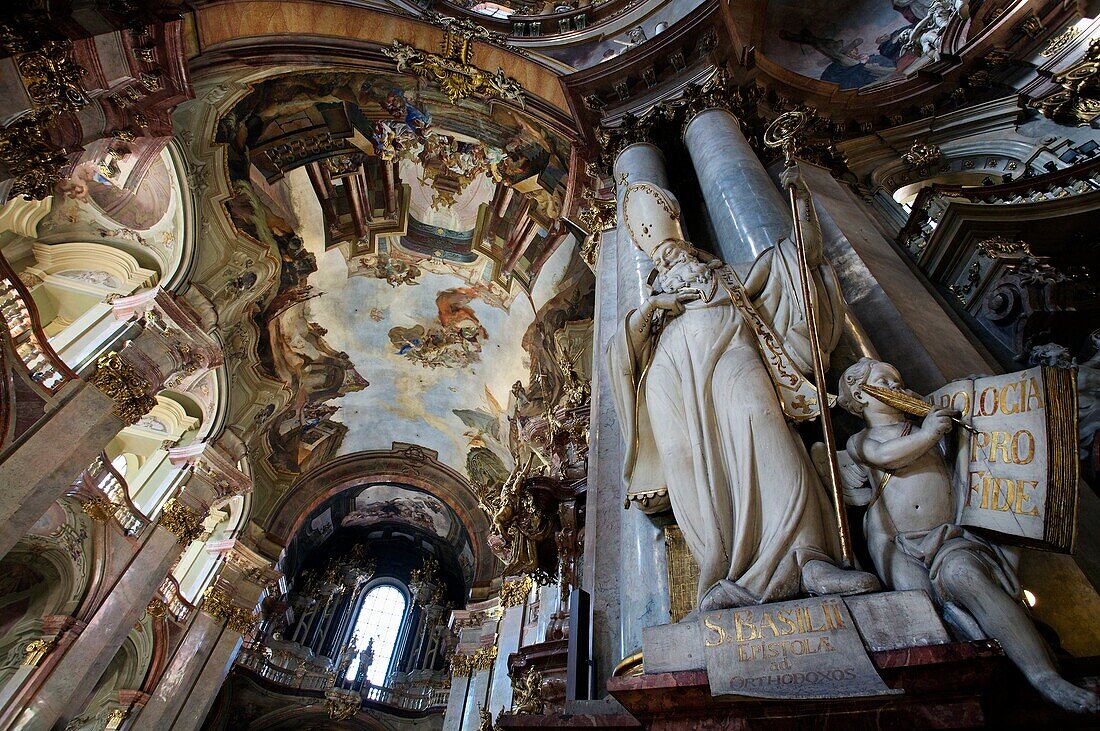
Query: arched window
column 380, row 617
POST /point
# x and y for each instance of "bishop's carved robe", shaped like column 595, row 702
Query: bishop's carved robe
column 701, row 417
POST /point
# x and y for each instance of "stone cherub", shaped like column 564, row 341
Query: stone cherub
column 915, row 542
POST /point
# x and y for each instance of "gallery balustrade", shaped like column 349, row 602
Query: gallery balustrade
column 932, row 201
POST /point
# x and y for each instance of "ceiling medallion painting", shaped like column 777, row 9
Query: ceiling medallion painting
column 857, row 44
column 421, row 278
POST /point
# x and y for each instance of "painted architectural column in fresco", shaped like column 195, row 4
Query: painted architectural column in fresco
column 84, row 662
column 747, row 210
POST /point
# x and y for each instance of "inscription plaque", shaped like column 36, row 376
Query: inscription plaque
column 808, row 648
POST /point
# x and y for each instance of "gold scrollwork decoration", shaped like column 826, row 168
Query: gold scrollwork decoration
column 1060, row 41
column 515, row 592
column 118, row 380
column 99, row 509
column 453, row 71
column 342, row 704
column 597, row 216
column 52, row 78
column 156, row 608
column 527, row 693
column 182, row 522
column 217, row 602
column 242, row 621
column 922, row 154
column 1078, row 101
column 467, row 664
column 36, row 651
column 31, row 157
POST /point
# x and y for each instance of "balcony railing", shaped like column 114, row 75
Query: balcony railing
column 932, row 201
column 427, row 699
column 101, row 476
column 172, row 597
column 20, row 317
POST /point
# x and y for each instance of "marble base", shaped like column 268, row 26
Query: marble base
column 885, row 621
column 944, row 686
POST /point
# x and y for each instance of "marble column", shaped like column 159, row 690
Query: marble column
column 624, row 562
column 477, row 696
column 508, row 637
column 643, row 582
column 181, row 674
column 456, row 703
column 65, row 690
column 45, row 465
column 748, row 212
column 209, row 681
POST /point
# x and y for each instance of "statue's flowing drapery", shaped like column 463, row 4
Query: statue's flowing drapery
column 708, row 425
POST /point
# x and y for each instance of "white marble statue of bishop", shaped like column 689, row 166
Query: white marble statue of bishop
column 705, row 376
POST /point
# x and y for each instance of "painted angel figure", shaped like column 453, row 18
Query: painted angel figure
column 705, row 376
column 896, row 469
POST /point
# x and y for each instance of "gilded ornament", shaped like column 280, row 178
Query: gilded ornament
column 242, row 621
column 1060, row 41
column 1078, row 101
column 156, row 608
column 99, row 509
column 217, row 603
column 31, row 157
column 341, row 704
column 115, row 718
column 515, row 592
column 52, row 78
column 181, row 521
column 527, row 693
column 467, row 664
column 922, row 154
column 36, row 650
column 118, row 380
column 453, row 71
column 997, row 247
column 597, row 216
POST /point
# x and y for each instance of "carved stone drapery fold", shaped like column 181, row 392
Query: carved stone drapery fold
column 118, row 380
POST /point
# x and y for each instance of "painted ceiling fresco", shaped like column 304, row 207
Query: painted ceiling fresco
column 376, row 505
column 102, row 198
column 852, row 44
column 415, row 251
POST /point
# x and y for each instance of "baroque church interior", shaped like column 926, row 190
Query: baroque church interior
column 413, row 365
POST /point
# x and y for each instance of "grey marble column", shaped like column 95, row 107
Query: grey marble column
column 209, row 682
column 44, row 466
column 64, row 692
column 644, row 589
column 182, row 671
column 748, row 212
column 456, row 703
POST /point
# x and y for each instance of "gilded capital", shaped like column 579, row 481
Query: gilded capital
column 217, row 603
column 514, row 593
column 181, row 521
column 118, row 380
column 36, row 651
column 31, row 157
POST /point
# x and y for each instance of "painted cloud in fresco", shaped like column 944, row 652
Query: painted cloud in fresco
column 848, row 44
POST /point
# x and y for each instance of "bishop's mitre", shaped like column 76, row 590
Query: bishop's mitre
column 651, row 215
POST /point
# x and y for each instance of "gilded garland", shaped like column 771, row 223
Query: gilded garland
column 453, row 71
